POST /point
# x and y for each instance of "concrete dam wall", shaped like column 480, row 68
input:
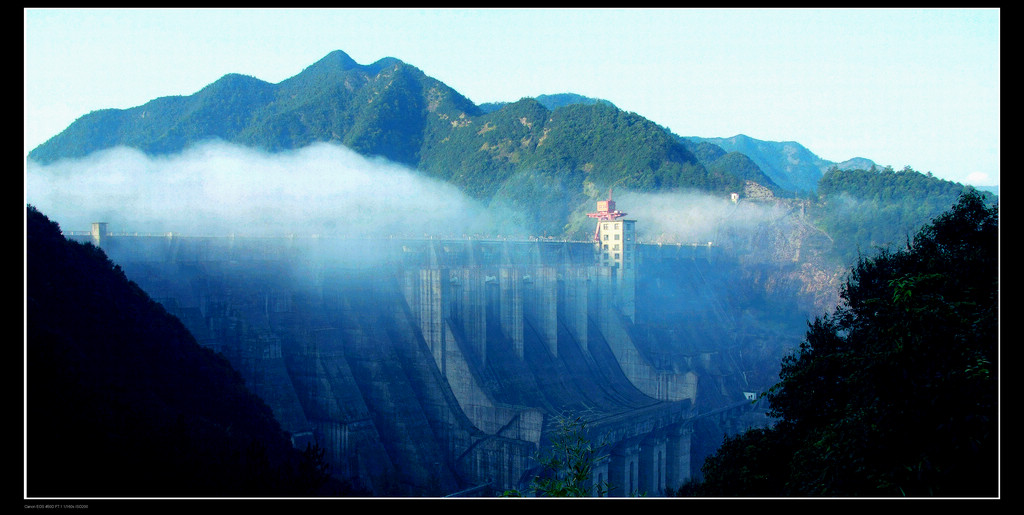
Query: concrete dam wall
column 429, row 367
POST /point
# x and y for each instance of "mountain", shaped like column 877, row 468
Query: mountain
column 715, row 158
column 551, row 102
column 123, row 402
column 554, row 155
column 378, row 109
column 541, row 162
column 864, row 210
column 789, row 164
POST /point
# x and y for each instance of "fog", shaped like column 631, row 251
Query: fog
column 694, row 217
column 221, row 189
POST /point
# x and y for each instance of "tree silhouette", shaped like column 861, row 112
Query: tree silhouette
column 895, row 393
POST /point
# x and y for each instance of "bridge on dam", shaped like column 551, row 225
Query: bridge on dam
column 427, row 367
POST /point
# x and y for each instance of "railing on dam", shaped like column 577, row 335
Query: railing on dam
column 315, row 239
column 423, row 238
column 373, row 252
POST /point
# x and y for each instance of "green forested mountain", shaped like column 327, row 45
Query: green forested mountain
column 717, row 159
column 123, row 402
column 534, row 160
column 577, row 148
column 864, row 210
column 790, row 165
column 551, row 102
column 379, row 109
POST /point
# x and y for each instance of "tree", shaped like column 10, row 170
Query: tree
column 313, row 471
column 895, row 393
column 568, row 467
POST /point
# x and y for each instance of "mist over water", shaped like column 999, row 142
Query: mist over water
column 221, row 189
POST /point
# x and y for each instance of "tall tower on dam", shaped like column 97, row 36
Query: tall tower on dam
column 615, row 247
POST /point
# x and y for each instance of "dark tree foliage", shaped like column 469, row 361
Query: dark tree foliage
column 745, row 465
column 122, row 401
column 895, row 393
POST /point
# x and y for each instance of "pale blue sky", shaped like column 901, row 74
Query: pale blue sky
column 899, row 86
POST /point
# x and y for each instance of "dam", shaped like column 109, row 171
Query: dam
column 434, row 367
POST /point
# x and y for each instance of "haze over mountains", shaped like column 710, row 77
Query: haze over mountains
column 554, row 154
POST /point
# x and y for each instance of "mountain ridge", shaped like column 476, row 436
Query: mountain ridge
column 790, row 164
column 578, row 146
column 394, row 110
column 551, row 101
column 336, row 62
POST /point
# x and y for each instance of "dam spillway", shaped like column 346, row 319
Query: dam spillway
column 429, row 366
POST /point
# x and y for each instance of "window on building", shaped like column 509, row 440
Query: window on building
column 616, row 255
column 616, row 236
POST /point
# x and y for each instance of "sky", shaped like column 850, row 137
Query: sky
column 902, row 87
